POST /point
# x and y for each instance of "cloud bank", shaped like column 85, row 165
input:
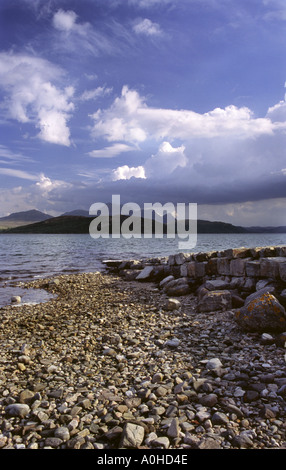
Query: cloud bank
column 226, row 151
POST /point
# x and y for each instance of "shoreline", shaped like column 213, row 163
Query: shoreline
column 108, row 365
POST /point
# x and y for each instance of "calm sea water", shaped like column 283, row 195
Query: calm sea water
column 24, row 257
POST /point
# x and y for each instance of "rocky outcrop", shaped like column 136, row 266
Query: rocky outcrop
column 223, row 280
column 241, row 265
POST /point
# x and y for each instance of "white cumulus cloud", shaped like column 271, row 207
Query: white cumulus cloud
column 130, row 119
column 203, row 148
column 125, row 172
column 166, row 160
column 31, row 95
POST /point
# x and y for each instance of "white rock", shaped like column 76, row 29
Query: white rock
column 214, row 363
column 132, row 435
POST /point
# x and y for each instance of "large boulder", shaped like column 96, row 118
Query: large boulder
column 215, row 300
column 178, row 287
column 262, row 312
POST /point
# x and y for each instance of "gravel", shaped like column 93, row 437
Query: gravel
column 105, row 365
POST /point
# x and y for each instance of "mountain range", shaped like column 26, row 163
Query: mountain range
column 23, row 218
column 78, row 221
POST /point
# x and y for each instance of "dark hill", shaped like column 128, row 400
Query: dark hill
column 23, row 218
column 80, row 224
column 31, row 216
column 62, row 224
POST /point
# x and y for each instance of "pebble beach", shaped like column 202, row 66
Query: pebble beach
column 105, row 364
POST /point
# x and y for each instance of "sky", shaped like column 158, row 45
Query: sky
column 153, row 100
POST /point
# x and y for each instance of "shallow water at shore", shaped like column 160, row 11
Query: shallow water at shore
column 24, row 257
column 28, row 296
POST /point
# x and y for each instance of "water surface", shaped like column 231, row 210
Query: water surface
column 24, row 257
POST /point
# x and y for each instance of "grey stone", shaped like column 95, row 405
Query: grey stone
column 17, row 409
column 132, row 435
column 262, row 283
column 184, row 270
column 172, row 304
column 145, row 273
column 219, row 418
column 62, row 433
column 26, row 396
column 203, row 415
column 252, row 268
column 209, row 443
column 53, row 442
column 209, row 400
column 158, row 377
column 174, row 428
column 237, row 267
column 161, row 442
column 242, row 441
column 214, row 363
column 173, row 343
column 177, row 287
column 234, row 409
column 181, row 258
column 273, row 268
column 216, row 284
column 223, row 266
column 166, row 280
column 196, row 269
column 215, row 300
column 192, row 440
column 249, row 284
column 267, row 338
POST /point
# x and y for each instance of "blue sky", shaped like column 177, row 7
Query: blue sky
column 154, row 100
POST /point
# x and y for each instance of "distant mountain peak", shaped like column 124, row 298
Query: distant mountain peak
column 31, row 215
